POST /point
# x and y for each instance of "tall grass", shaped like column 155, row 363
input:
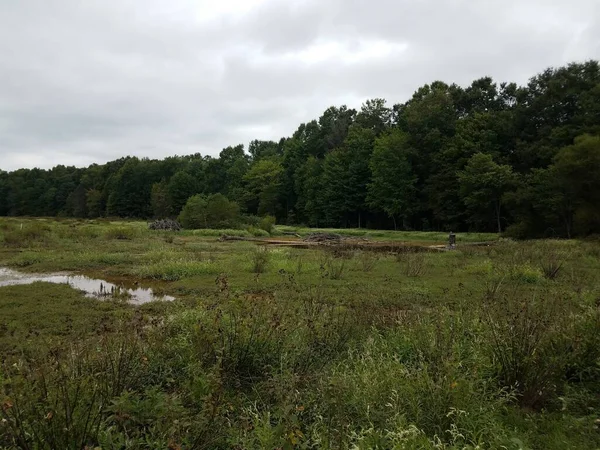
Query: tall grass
column 473, row 348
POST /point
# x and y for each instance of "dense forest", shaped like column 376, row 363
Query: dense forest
column 487, row 157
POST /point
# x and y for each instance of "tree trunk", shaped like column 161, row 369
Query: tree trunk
column 395, row 226
column 498, row 217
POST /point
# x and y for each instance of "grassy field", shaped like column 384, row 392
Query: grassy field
column 493, row 346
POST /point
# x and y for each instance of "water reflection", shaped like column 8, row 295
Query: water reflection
column 92, row 287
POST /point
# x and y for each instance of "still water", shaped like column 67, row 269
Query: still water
column 94, row 288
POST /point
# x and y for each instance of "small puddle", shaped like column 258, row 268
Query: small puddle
column 93, row 288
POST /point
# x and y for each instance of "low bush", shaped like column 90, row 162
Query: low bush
column 267, row 223
column 257, row 232
column 260, row 258
column 528, row 339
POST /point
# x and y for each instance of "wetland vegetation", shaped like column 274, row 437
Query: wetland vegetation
column 493, row 346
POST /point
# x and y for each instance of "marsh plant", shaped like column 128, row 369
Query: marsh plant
column 333, row 268
column 415, row 264
column 527, row 339
column 366, row 260
column 298, row 348
column 260, row 258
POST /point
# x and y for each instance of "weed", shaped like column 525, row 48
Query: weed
column 333, row 268
column 526, row 338
column 415, row 264
column 367, row 260
column 260, row 258
column 551, row 260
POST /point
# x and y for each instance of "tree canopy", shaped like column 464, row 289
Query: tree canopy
column 484, row 157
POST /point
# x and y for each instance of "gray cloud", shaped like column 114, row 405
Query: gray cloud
column 84, row 82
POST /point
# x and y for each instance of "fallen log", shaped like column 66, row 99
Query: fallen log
column 226, row 237
column 291, row 233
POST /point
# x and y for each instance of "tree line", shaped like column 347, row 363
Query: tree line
column 487, row 157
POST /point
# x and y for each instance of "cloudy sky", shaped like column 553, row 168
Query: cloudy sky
column 84, row 81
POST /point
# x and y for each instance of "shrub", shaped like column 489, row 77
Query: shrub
column 257, row 232
column 267, row 223
column 528, row 342
column 260, row 259
column 215, row 211
column 519, row 230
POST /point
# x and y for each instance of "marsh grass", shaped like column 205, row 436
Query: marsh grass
column 366, row 260
column 121, row 233
column 332, row 267
column 28, row 234
column 259, row 259
column 174, row 270
column 469, row 349
column 415, row 264
column 527, row 338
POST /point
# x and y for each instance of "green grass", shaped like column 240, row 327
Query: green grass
column 275, row 347
column 50, row 315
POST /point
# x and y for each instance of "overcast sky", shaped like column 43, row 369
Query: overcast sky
column 84, row 81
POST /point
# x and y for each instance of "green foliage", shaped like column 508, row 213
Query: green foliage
column 214, row 211
column 483, row 184
column 257, row 232
column 131, row 190
column 94, row 203
column 392, row 189
column 577, row 168
column 267, row 223
column 161, row 202
column 181, row 187
column 263, row 184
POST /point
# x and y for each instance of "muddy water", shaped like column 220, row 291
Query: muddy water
column 93, row 288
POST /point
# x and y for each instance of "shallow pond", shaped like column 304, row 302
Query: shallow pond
column 93, row 288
